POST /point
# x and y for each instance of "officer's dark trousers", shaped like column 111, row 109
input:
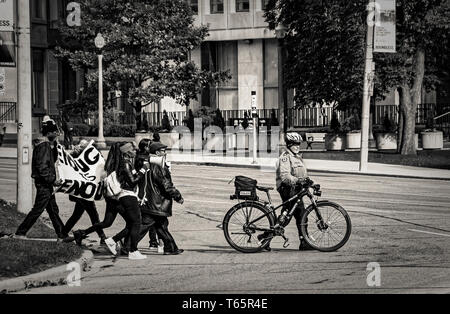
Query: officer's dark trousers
column 286, row 193
column 80, row 207
column 45, row 200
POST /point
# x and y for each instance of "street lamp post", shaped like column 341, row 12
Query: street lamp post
column 280, row 32
column 100, row 43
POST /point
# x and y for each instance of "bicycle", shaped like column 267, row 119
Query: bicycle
column 250, row 226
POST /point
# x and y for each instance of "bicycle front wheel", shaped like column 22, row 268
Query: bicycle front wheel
column 242, row 232
column 330, row 231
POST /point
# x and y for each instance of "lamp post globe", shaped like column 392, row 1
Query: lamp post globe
column 99, row 41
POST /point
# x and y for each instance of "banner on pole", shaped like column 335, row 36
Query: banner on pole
column 385, row 31
column 6, row 15
column 82, row 176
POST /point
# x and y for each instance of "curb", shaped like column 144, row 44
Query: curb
column 57, row 274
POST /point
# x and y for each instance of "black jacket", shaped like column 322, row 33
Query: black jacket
column 160, row 192
column 43, row 162
column 128, row 176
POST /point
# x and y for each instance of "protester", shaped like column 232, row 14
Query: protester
column 141, row 157
column 2, row 133
column 129, row 179
column 113, row 206
column 82, row 205
column 67, row 127
column 160, row 192
column 44, row 175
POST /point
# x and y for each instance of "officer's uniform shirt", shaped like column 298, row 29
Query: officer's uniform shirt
column 290, row 168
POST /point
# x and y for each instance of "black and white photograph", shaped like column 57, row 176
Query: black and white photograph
column 224, row 152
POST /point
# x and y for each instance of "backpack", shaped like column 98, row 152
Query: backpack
column 112, row 185
column 245, row 188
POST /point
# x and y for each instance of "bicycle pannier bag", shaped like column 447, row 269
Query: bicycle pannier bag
column 245, row 188
column 112, row 185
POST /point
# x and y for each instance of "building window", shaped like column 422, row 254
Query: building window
column 216, row 6
column 242, row 6
column 7, row 49
column 264, row 4
column 38, row 78
column 39, row 9
column 194, row 6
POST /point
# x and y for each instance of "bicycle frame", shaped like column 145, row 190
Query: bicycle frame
column 298, row 197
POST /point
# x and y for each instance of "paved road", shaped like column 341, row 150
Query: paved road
column 402, row 224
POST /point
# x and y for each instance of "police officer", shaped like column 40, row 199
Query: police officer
column 290, row 171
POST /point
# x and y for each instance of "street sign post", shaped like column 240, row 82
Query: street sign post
column 100, row 43
column 255, row 127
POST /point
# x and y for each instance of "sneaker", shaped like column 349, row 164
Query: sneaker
column 153, row 248
column 79, row 236
column 111, row 245
column 179, row 251
column 136, row 255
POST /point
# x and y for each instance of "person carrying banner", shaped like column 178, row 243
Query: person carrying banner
column 44, row 175
column 82, row 205
column 113, row 206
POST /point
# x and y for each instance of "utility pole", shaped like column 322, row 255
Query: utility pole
column 24, row 132
column 368, row 81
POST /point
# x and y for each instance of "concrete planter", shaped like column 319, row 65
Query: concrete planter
column 139, row 136
column 353, row 140
column 215, row 142
column 432, row 140
column 335, row 142
column 386, row 141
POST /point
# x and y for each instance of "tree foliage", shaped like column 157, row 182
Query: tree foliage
column 325, row 44
column 148, row 43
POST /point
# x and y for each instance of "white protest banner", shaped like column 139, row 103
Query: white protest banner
column 82, row 176
column 385, row 31
column 6, row 15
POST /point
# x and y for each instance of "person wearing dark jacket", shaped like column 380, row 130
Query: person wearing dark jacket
column 158, row 207
column 141, row 157
column 129, row 179
column 83, row 205
column 44, row 175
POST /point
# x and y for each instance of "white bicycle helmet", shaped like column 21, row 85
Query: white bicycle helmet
column 293, row 138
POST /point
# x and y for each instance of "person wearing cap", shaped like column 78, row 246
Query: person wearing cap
column 160, row 195
column 44, row 175
column 143, row 155
column 83, row 205
column 129, row 179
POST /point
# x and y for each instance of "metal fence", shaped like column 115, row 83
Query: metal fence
column 7, row 112
column 301, row 117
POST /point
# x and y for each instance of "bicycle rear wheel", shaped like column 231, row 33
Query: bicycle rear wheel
column 243, row 236
column 329, row 233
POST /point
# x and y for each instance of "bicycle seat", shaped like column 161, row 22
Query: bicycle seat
column 264, row 189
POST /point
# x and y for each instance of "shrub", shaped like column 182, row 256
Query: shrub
column 80, row 129
column 388, row 125
column 118, row 130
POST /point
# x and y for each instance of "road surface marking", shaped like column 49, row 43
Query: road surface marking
column 441, row 234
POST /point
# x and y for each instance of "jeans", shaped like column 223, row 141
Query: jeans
column 80, row 207
column 45, row 200
column 152, row 234
column 113, row 208
column 160, row 226
column 133, row 219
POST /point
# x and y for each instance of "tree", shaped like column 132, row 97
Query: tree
column 325, row 46
column 148, row 43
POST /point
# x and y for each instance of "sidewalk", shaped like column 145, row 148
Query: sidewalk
column 332, row 166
